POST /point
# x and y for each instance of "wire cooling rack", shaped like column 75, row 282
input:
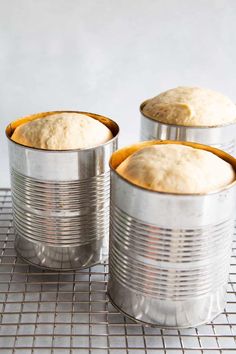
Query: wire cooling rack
column 69, row 312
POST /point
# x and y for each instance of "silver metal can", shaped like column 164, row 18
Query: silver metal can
column 222, row 137
column 61, row 200
column 169, row 253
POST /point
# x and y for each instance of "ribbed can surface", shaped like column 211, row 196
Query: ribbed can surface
column 220, row 137
column 61, row 203
column 169, row 254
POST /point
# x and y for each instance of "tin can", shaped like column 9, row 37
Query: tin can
column 169, row 253
column 61, row 200
column 222, row 137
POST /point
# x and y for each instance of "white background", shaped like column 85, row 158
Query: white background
column 106, row 56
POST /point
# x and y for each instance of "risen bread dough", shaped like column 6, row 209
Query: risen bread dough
column 191, row 106
column 175, row 168
column 62, row 131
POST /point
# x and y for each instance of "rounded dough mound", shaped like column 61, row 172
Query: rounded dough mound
column 175, row 168
column 191, row 106
column 62, row 131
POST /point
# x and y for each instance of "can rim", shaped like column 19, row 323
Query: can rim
column 182, row 125
column 121, row 154
column 111, row 124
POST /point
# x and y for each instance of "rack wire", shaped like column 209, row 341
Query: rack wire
column 45, row 312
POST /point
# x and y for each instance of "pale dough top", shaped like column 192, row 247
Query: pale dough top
column 62, row 131
column 191, row 106
column 173, row 168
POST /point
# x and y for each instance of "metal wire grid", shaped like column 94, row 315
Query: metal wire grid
column 68, row 312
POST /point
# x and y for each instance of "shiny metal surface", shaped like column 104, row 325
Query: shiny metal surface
column 45, row 312
column 221, row 137
column 169, row 254
column 61, row 201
